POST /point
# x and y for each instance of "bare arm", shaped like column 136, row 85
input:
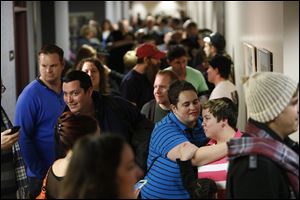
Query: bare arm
column 202, row 155
column 209, row 154
column 187, row 151
column 184, row 151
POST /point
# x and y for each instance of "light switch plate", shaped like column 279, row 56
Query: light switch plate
column 11, row 55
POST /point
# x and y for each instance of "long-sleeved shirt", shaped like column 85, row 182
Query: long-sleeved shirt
column 37, row 111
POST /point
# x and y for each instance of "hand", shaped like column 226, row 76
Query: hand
column 187, row 151
column 8, row 140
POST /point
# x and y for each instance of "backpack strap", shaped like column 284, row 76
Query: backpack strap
column 45, row 179
column 252, row 157
column 252, row 161
column 42, row 195
column 152, row 110
column 152, row 164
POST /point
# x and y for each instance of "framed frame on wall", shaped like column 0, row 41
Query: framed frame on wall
column 249, row 58
column 264, row 60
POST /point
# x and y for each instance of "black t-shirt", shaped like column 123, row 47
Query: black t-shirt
column 136, row 88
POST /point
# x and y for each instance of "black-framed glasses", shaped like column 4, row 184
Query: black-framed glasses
column 3, row 88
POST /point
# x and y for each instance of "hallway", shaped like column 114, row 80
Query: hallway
column 25, row 26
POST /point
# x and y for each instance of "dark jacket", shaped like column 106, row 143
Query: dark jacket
column 118, row 116
column 264, row 179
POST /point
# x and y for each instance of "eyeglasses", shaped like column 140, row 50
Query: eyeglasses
column 3, row 88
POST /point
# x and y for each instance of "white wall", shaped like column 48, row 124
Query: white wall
column 34, row 36
column 8, row 71
column 272, row 25
column 291, row 39
column 157, row 7
column 291, row 43
column 116, row 10
column 113, row 11
column 31, row 38
column 203, row 13
column 62, row 33
column 263, row 24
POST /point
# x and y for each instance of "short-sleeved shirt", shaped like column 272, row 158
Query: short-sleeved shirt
column 136, row 88
column 164, row 179
column 196, row 78
column 217, row 170
column 153, row 111
column 225, row 89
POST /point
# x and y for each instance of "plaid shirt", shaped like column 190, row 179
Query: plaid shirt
column 262, row 143
column 20, row 173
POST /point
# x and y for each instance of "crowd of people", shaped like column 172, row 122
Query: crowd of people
column 154, row 100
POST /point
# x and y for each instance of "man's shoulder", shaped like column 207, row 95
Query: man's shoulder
column 131, row 79
column 168, row 68
column 254, row 161
column 114, row 98
column 193, row 71
column 32, row 85
column 33, row 89
column 227, row 85
column 132, row 74
column 147, row 105
column 116, row 102
column 166, row 124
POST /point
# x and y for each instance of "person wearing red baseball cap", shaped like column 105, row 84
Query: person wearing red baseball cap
column 149, row 50
column 137, row 85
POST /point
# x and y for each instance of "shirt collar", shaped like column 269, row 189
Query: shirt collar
column 182, row 126
column 237, row 134
column 44, row 85
column 264, row 127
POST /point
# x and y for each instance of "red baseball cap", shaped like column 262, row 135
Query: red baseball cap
column 149, row 50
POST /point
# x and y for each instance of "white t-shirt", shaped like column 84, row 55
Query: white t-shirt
column 105, row 34
column 225, row 89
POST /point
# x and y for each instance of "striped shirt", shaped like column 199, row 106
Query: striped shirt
column 217, row 170
column 164, row 179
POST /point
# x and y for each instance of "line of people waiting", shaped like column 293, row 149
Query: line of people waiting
column 45, row 99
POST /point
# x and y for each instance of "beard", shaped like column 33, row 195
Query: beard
column 151, row 72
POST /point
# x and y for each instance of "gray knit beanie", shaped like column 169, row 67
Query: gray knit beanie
column 267, row 94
